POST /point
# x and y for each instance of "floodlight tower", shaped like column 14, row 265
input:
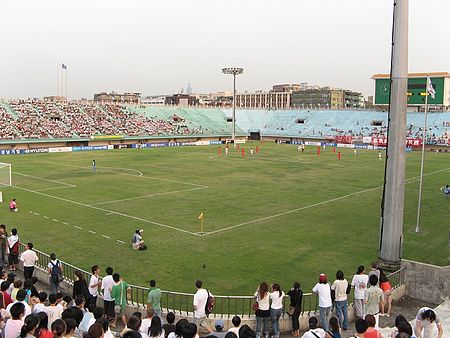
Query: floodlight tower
column 233, row 71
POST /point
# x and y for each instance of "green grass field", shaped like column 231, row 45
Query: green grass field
column 272, row 217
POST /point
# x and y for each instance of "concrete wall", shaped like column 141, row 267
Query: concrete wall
column 427, row 282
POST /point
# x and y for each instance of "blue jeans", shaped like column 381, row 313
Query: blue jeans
column 275, row 315
column 342, row 313
column 324, row 313
column 54, row 286
column 264, row 322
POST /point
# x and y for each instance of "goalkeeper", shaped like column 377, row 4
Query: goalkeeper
column 446, row 190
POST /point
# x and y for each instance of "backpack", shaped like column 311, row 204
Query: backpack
column 14, row 250
column 56, row 275
column 209, row 306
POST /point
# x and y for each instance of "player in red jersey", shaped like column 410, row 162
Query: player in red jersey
column 339, row 155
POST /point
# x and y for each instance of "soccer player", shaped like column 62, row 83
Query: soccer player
column 251, row 152
column 226, row 150
column 243, row 152
column 303, row 147
column 94, row 166
column 219, row 151
column 379, row 155
column 257, row 149
column 339, row 155
column 13, row 205
column 446, row 190
column 318, row 150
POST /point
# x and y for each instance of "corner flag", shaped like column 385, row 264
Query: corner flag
column 200, row 216
column 430, row 89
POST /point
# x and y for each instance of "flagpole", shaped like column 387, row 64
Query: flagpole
column 424, row 134
column 57, row 79
column 66, row 82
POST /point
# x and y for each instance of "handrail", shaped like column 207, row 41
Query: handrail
column 181, row 302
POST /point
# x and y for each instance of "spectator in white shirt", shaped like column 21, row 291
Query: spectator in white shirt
column 29, row 259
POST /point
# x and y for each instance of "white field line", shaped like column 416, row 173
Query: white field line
column 121, row 173
column 92, row 232
column 106, row 211
column 256, row 158
column 152, row 195
column 106, row 236
column 76, row 226
column 408, row 181
column 65, row 223
column 119, row 241
column 45, row 216
column 55, row 220
column 67, row 185
column 54, row 188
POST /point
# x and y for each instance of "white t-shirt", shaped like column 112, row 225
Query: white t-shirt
column 426, row 323
column 264, row 303
column 27, row 307
column 93, row 291
column 360, row 284
column 277, row 300
column 324, row 292
column 200, row 299
column 235, row 330
column 319, row 332
column 107, row 284
column 145, row 324
column 39, row 307
column 28, row 258
column 53, row 313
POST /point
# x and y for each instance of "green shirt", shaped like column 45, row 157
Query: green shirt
column 119, row 293
column 154, row 298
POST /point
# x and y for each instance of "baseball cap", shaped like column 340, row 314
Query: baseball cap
column 322, row 277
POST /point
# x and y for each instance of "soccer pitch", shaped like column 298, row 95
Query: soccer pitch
column 278, row 216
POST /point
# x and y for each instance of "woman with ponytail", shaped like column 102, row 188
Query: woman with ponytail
column 58, row 328
column 29, row 326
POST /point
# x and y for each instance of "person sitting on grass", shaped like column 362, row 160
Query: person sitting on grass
column 137, row 242
column 13, row 205
column 446, row 190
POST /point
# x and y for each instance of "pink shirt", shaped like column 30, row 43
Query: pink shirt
column 12, row 205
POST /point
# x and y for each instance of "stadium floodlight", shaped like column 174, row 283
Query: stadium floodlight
column 233, row 71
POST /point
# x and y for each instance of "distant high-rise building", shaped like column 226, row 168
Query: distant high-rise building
column 189, row 89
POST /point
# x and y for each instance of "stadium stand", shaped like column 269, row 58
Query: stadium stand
column 37, row 119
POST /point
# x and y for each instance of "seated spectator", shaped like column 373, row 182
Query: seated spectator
column 426, row 322
column 53, row 311
column 106, row 329
column 334, row 330
column 361, row 326
column 189, row 331
column 21, row 295
column 14, row 325
column 170, row 326
column 40, row 306
column 88, row 319
column 146, row 322
column 218, row 329
column 71, row 327
column 95, row 331
column 155, row 330
column 246, row 332
column 236, row 321
column 313, row 331
column 179, row 327
column 42, row 330
column 371, row 331
column 29, row 326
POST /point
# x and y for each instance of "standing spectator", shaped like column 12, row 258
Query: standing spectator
column 374, row 270
column 296, row 294
column 340, row 286
column 154, row 298
column 200, row 299
column 324, row 291
column 387, row 291
column 29, row 259
column 359, row 282
column 88, row 319
column 55, row 271
column 13, row 250
column 119, row 292
column 263, row 312
column 14, row 325
column 314, row 331
column 426, row 322
column 80, row 288
column 94, row 284
column 276, row 308
column 373, row 299
column 108, row 301
column 106, row 329
column 3, row 245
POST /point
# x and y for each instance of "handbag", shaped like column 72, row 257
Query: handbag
column 255, row 306
column 118, row 308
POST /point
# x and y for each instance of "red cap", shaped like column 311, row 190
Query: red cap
column 322, row 278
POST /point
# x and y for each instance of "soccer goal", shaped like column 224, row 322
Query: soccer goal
column 5, row 174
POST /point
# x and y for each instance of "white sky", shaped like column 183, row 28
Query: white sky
column 158, row 46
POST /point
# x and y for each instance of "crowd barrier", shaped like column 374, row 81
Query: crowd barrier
column 181, row 303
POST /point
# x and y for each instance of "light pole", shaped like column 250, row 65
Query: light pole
column 233, row 71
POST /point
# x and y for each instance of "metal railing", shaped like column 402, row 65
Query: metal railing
column 181, row 303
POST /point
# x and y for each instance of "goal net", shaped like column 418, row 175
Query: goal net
column 5, row 174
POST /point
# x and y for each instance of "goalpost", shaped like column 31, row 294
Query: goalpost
column 5, row 174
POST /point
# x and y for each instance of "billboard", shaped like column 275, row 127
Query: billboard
column 416, row 88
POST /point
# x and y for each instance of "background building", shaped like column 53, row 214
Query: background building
column 113, row 97
column 319, row 97
column 264, row 100
column 416, row 90
column 183, row 100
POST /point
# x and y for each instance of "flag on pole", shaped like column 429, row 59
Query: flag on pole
column 200, row 216
column 430, row 89
column 63, row 66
